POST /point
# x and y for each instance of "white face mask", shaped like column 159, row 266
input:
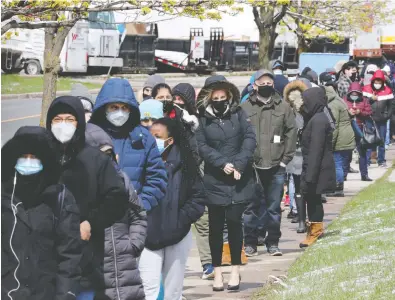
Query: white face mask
column 377, row 86
column 117, row 117
column 277, row 72
column 63, row 131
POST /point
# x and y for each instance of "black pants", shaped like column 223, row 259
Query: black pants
column 217, row 216
column 315, row 209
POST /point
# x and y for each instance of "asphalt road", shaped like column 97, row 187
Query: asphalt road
column 23, row 112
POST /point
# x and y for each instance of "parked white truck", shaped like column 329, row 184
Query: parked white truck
column 89, row 47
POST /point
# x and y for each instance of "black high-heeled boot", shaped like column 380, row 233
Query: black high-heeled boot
column 301, row 205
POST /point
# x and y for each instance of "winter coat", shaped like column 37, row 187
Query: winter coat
column 275, row 120
column 362, row 104
column 136, row 148
column 98, row 189
column 229, row 139
column 382, row 107
column 46, row 239
column 343, row 84
column 280, row 81
column 343, row 135
column 171, row 221
column 124, row 240
column 318, row 174
column 293, row 95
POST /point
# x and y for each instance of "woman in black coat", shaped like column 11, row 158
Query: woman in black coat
column 318, row 169
column 40, row 222
column 226, row 142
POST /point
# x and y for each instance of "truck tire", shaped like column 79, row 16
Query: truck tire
column 32, row 67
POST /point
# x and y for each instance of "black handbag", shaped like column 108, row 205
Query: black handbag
column 371, row 136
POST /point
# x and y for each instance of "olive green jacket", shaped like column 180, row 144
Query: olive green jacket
column 275, row 130
column 343, row 135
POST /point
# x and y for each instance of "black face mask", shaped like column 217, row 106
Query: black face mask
column 265, row 91
column 167, row 107
column 353, row 77
column 220, row 106
column 146, row 96
column 181, row 105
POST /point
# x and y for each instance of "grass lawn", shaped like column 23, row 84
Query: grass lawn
column 355, row 259
column 16, row 84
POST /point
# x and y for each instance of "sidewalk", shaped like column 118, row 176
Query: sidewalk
column 256, row 272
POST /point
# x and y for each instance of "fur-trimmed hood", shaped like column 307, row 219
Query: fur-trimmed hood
column 293, row 93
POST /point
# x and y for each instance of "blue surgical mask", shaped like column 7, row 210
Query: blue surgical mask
column 161, row 145
column 28, row 166
column 117, row 117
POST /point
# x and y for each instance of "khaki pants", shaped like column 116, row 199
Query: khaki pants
column 202, row 233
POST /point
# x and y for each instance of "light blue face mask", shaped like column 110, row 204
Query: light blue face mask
column 354, row 97
column 161, row 145
column 28, row 166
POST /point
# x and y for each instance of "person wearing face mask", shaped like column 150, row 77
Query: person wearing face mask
column 359, row 110
column 117, row 112
column 347, row 75
column 151, row 82
column 91, row 177
column 381, row 98
column 82, row 92
column 226, row 142
column 343, row 139
column 276, row 131
column 40, row 222
column 280, row 81
column 318, row 168
column 150, row 111
column 169, row 237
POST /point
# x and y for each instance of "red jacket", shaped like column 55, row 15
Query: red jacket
column 362, row 104
column 382, row 107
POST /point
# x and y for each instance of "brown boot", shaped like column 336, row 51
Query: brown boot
column 314, row 232
column 226, row 259
column 373, row 157
column 244, row 258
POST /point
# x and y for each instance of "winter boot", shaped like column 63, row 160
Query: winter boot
column 314, row 232
column 339, row 191
column 301, row 206
column 244, row 258
column 226, row 259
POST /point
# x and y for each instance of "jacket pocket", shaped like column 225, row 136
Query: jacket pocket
column 278, row 119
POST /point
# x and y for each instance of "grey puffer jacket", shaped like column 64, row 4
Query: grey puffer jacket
column 123, row 241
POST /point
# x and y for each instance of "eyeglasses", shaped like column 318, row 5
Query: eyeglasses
column 58, row 120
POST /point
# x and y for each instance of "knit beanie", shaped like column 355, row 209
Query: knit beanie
column 153, row 80
column 151, row 109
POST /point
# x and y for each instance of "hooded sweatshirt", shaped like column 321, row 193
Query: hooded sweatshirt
column 318, row 173
column 136, row 148
column 382, row 107
column 90, row 175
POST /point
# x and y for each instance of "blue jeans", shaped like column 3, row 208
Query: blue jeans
column 382, row 128
column 342, row 161
column 388, row 134
column 363, row 160
column 86, row 295
column 263, row 214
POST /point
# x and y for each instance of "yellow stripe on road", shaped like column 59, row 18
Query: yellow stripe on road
column 21, row 118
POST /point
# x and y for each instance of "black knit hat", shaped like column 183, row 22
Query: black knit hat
column 186, row 91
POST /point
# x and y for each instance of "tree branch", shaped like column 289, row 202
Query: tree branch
column 257, row 18
column 35, row 25
column 280, row 15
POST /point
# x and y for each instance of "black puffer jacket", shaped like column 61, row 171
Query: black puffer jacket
column 47, row 233
column 98, row 189
column 318, row 171
column 230, row 139
column 171, row 221
column 123, row 241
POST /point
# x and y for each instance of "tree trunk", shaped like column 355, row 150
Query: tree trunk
column 302, row 47
column 267, row 38
column 54, row 40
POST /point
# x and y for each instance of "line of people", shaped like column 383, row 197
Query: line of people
column 104, row 209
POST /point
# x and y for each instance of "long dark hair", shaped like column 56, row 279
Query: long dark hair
column 190, row 166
